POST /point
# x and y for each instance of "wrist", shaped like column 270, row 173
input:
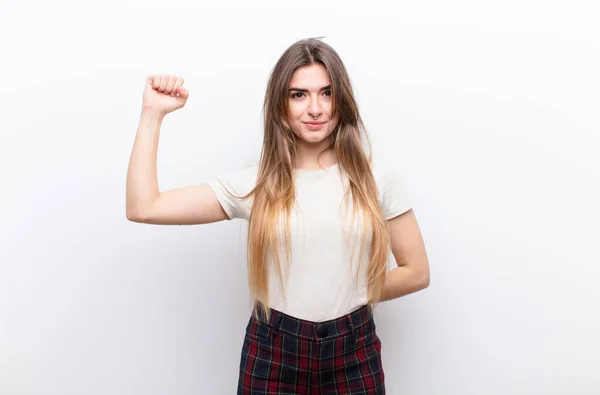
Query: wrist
column 152, row 114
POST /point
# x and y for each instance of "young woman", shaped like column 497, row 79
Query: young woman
column 323, row 217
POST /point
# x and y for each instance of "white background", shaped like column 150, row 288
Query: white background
column 489, row 110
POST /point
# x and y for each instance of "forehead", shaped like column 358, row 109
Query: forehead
column 314, row 76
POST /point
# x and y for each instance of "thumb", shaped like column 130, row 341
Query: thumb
column 182, row 92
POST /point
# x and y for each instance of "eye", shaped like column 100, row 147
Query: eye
column 294, row 95
column 328, row 92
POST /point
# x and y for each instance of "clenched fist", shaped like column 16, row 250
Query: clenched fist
column 164, row 93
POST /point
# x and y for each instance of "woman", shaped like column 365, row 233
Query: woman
column 314, row 196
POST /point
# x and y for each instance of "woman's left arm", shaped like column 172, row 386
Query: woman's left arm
column 408, row 248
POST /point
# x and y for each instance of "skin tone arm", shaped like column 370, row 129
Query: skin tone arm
column 189, row 205
column 412, row 273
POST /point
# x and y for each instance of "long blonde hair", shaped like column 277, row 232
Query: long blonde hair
column 274, row 193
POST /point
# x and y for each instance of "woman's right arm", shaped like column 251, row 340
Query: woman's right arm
column 189, row 205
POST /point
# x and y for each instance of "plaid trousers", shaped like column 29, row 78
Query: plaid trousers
column 287, row 355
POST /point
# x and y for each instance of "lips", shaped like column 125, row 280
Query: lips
column 314, row 126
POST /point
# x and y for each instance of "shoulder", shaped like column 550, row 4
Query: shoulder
column 231, row 186
column 394, row 197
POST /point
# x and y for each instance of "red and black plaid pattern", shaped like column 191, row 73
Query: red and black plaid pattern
column 288, row 355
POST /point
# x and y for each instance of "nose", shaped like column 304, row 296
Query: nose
column 314, row 109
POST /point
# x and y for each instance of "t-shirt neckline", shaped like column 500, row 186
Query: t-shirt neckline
column 327, row 169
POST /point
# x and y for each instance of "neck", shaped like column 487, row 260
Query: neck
column 315, row 156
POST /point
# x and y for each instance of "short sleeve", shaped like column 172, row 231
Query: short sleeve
column 239, row 183
column 393, row 197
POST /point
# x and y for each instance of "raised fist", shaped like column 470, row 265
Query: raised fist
column 164, row 93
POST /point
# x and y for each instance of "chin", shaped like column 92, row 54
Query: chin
column 313, row 137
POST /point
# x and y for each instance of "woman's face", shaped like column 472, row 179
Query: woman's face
column 310, row 105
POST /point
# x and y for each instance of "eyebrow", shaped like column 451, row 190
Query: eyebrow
column 306, row 90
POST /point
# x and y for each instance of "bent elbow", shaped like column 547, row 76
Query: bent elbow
column 136, row 216
column 425, row 281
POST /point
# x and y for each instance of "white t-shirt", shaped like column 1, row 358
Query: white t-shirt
column 320, row 284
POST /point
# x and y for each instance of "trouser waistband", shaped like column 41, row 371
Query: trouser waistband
column 318, row 330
